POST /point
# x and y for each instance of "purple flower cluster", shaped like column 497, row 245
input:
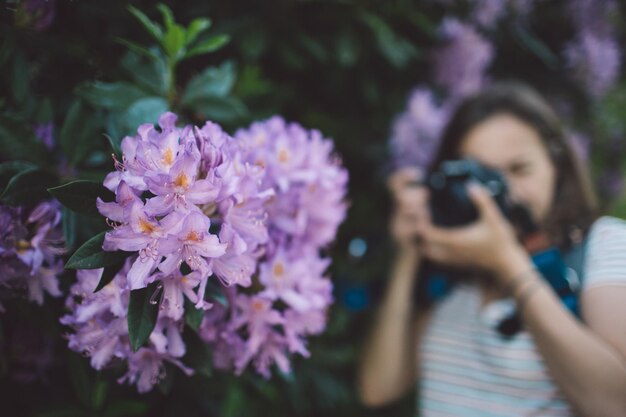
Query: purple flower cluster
column 594, row 55
column 303, row 216
column 31, row 243
column 246, row 216
column 460, row 64
column 415, row 133
column 35, row 14
column 100, row 326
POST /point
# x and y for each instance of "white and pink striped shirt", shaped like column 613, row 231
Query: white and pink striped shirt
column 469, row 370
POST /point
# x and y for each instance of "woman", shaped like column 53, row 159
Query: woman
column 558, row 364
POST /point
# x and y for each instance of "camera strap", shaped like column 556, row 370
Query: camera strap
column 563, row 271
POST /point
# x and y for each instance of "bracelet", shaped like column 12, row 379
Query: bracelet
column 520, row 278
column 528, row 291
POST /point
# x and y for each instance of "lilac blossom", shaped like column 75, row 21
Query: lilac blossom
column 460, row 63
column 31, row 243
column 415, row 133
column 595, row 61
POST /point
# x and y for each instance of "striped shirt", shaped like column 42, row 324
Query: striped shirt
column 469, row 370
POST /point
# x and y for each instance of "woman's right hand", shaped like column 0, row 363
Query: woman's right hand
column 410, row 209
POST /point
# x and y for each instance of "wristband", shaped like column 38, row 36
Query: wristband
column 526, row 293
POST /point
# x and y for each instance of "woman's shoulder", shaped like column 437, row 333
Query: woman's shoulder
column 607, row 230
column 605, row 260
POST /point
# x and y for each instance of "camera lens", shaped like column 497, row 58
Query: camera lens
column 438, row 180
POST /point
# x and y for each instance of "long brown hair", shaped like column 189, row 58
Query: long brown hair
column 574, row 206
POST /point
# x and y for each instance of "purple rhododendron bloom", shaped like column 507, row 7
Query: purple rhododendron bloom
column 31, row 243
column 415, row 133
column 194, row 204
column 460, row 64
column 595, row 60
column 100, row 325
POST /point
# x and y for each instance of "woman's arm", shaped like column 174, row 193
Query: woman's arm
column 587, row 362
column 388, row 366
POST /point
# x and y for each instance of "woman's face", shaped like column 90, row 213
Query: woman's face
column 513, row 147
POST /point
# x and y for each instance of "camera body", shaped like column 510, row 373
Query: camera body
column 450, row 203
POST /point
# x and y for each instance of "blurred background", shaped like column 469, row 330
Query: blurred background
column 379, row 78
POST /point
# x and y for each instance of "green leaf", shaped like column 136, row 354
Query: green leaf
column 209, row 45
column 396, row 49
column 535, row 45
column 27, row 187
column 91, row 256
column 80, row 196
column 126, row 408
column 79, row 133
column 79, row 377
column 9, row 169
column 99, row 394
column 69, row 227
column 221, row 109
column 18, row 141
column 110, row 96
column 153, row 28
column 193, row 315
column 195, row 28
column 168, row 17
column 108, row 274
column 136, row 48
column 20, row 83
column 143, row 309
column 198, row 355
column 213, row 81
column 174, row 42
column 149, row 74
column 145, row 110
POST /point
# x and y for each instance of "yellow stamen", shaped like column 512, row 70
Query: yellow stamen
column 146, row 227
column 283, row 155
column 193, row 236
column 279, row 269
column 168, row 157
column 181, row 181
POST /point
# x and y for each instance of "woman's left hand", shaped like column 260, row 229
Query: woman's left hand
column 490, row 243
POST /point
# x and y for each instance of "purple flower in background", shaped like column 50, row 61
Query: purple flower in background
column 30, row 250
column 36, row 14
column 487, row 12
column 581, row 144
column 415, row 133
column 45, row 133
column 595, row 60
column 594, row 15
column 460, row 64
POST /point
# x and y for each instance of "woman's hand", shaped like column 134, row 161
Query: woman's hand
column 410, row 211
column 490, row 243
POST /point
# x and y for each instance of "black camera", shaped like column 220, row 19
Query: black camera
column 450, row 203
